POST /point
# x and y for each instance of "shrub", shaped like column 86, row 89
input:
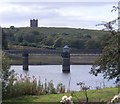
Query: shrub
column 7, row 77
column 26, row 85
column 60, row 88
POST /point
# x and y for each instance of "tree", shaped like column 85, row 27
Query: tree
column 109, row 62
column 7, row 76
column 58, row 42
column 77, row 43
column 92, row 44
column 4, row 41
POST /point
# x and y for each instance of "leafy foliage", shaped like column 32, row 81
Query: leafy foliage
column 109, row 61
column 4, row 41
column 26, row 85
column 55, row 37
column 7, row 76
column 14, row 85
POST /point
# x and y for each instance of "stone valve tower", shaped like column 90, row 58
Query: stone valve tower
column 66, row 59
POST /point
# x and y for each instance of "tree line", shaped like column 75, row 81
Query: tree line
column 55, row 38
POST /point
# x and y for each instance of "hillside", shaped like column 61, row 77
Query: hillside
column 54, row 38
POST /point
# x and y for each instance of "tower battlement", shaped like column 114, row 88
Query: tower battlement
column 34, row 23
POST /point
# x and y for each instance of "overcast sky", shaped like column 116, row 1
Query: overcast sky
column 59, row 13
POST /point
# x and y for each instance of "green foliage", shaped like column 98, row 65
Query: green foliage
column 93, row 44
column 51, row 88
column 4, row 41
column 58, row 42
column 60, row 88
column 109, row 62
column 84, row 88
column 102, row 95
column 8, row 77
column 77, row 43
column 55, row 37
column 17, row 86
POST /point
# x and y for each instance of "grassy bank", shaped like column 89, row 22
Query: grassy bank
column 101, row 95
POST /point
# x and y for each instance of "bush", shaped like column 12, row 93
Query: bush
column 60, row 88
column 7, row 77
column 15, row 86
column 25, row 85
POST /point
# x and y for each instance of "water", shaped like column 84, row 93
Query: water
column 78, row 73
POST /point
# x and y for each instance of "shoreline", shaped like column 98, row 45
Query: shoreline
column 56, row 64
column 55, row 59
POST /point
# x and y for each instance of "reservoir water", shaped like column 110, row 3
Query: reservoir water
column 78, row 73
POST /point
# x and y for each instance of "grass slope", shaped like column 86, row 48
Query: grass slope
column 102, row 95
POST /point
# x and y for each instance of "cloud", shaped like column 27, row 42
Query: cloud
column 59, row 0
column 59, row 14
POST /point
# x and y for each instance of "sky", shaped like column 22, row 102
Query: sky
column 57, row 13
